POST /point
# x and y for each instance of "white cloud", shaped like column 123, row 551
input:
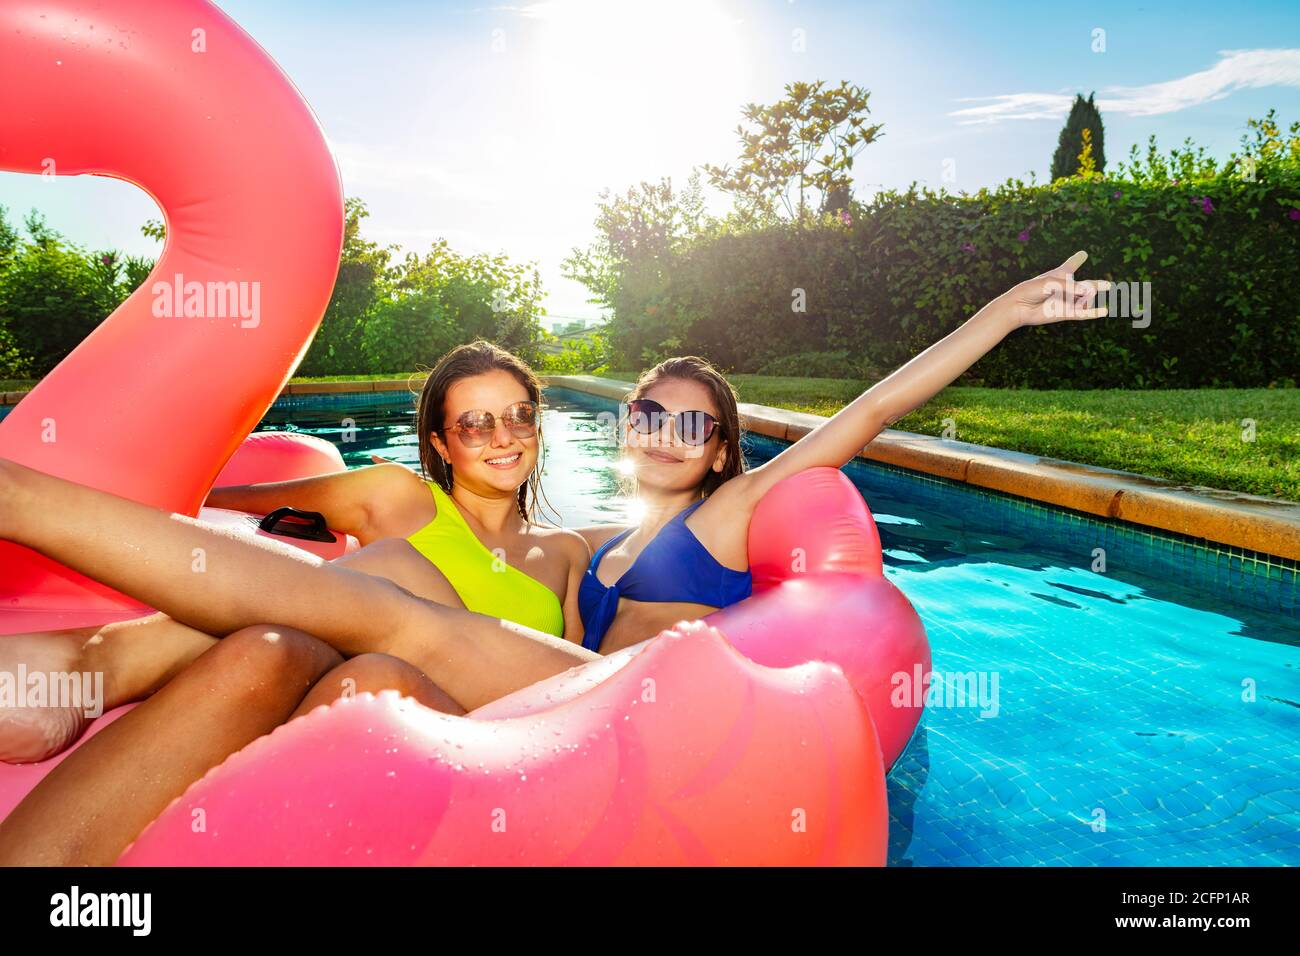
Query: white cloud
column 1236, row 70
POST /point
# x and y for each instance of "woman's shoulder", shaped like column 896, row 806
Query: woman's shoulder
column 565, row 540
column 721, row 522
column 397, row 498
column 598, row 535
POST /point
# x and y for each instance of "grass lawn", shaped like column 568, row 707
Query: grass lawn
column 1192, row 436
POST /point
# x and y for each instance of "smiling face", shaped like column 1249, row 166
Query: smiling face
column 661, row 460
column 506, row 460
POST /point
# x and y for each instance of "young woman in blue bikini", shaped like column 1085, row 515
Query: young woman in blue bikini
column 687, row 556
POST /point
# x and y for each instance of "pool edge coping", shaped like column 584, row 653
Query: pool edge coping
column 1253, row 522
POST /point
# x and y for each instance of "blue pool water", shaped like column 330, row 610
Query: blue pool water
column 1145, row 714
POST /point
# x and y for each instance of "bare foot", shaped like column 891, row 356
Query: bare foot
column 42, row 706
column 83, row 673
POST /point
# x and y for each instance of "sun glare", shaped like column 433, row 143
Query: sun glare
column 636, row 510
column 642, row 75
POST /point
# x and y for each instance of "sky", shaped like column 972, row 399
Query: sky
column 497, row 126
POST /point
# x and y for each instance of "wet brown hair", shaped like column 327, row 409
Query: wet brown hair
column 466, row 361
column 692, row 368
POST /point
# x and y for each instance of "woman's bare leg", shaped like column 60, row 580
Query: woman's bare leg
column 398, row 561
column 135, row 658
column 218, row 583
column 373, row 673
column 97, row 801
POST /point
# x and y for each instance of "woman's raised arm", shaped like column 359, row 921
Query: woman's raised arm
column 1050, row 297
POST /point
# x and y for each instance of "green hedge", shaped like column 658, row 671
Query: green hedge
column 1221, row 254
column 384, row 313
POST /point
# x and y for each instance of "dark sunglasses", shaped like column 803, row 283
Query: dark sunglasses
column 648, row 417
column 476, row 427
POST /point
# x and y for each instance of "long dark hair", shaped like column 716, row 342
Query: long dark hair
column 466, row 361
column 692, row 368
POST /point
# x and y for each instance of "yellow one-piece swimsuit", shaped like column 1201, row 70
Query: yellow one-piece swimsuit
column 483, row 580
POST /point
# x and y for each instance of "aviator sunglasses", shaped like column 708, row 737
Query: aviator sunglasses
column 477, row 426
column 693, row 427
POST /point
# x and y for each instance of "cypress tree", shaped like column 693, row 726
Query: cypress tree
column 1083, row 115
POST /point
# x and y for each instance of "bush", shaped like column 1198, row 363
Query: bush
column 383, row 316
column 587, row 356
column 813, row 365
column 402, row 334
column 365, row 279
column 1218, row 244
column 13, row 364
column 53, row 294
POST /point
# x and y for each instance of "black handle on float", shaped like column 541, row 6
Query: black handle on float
column 292, row 523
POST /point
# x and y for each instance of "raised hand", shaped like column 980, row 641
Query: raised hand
column 1054, row 296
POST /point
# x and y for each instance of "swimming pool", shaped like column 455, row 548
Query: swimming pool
column 1138, row 713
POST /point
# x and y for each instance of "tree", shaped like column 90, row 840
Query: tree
column 1083, row 115
column 404, row 333
column 54, row 293
column 640, row 229
column 483, row 296
column 1087, row 165
column 365, row 279
column 797, row 156
column 13, row 364
column 8, row 238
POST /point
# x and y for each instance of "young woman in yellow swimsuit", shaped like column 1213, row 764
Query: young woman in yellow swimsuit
column 474, row 518
column 466, row 538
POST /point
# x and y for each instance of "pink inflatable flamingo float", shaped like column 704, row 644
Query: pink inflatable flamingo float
column 176, row 99
column 760, row 736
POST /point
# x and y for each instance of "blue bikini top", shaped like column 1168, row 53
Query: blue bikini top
column 674, row 566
